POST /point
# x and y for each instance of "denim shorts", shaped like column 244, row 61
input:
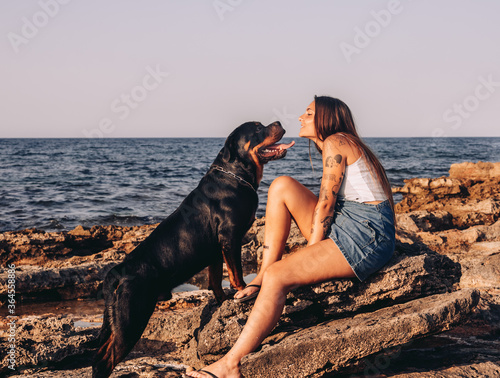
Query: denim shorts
column 365, row 235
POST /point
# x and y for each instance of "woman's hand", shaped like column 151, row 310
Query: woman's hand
column 334, row 162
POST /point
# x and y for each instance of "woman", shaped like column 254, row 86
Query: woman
column 349, row 227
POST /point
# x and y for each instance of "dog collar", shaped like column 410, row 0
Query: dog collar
column 235, row 176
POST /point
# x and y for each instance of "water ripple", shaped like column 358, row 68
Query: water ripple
column 56, row 184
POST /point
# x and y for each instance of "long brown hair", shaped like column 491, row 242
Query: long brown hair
column 334, row 116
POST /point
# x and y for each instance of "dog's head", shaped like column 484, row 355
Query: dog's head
column 254, row 143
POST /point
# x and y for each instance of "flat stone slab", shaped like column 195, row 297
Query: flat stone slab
column 338, row 343
column 409, row 275
column 483, row 369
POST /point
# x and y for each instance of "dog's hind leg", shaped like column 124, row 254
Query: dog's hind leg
column 126, row 315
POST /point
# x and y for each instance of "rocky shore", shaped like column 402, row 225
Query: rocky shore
column 433, row 311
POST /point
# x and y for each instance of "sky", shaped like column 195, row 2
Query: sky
column 187, row 68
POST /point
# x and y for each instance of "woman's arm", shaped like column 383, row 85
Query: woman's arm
column 334, row 162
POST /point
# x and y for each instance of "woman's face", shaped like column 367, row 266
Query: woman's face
column 307, row 129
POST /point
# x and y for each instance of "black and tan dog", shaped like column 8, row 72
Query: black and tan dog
column 206, row 229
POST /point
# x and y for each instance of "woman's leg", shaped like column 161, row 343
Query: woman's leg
column 317, row 263
column 286, row 199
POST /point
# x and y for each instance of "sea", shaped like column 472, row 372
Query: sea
column 57, row 184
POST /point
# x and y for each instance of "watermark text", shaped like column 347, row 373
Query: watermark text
column 125, row 103
column 32, row 26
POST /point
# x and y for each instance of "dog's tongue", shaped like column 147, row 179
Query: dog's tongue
column 282, row 146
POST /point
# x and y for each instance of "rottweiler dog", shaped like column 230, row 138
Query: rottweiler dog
column 206, row 229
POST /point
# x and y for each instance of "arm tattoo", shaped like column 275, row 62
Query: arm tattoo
column 334, row 161
column 341, row 178
column 341, row 142
column 331, row 177
column 327, row 223
column 266, row 247
column 323, row 195
column 313, row 221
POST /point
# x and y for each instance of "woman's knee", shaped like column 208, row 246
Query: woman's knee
column 281, row 186
column 275, row 277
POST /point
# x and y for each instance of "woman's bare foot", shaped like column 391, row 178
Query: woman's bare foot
column 220, row 369
column 252, row 288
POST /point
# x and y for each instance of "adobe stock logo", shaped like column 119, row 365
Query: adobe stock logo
column 31, row 26
column 124, row 104
column 222, row 7
column 470, row 104
column 364, row 36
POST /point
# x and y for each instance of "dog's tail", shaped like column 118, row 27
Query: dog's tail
column 130, row 301
column 104, row 361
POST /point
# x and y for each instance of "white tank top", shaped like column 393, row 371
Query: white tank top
column 359, row 185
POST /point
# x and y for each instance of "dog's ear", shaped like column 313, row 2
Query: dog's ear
column 229, row 151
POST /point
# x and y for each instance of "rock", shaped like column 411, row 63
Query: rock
column 164, row 356
column 179, row 326
column 423, row 220
column 453, row 353
column 335, row 344
column 481, row 171
column 39, row 283
column 38, row 247
column 471, row 195
column 41, row 341
column 46, row 342
column 482, row 271
column 464, row 211
column 481, row 369
column 488, row 206
column 410, row 274
column 64, row 265
column 295, row 239
column 138, row 367
column 80, row 231
column 471, row 242
column 425, row 186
